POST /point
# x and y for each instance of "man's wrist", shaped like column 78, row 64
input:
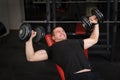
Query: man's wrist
column 29, row 41
column 96, row 23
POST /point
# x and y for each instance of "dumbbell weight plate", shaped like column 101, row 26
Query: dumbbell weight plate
column 25, row 31
column 86, row 23
column 2, row 29
column 98, row 14
column 40, row 33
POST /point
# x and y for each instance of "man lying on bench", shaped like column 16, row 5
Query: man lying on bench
column 69, row 54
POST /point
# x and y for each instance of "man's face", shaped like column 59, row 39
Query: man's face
column 59, row 34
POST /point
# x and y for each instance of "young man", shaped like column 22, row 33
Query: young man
column 69, row 54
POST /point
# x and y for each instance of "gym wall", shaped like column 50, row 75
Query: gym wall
column 11, row 13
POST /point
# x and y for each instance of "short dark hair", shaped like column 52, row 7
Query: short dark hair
column 53, row 29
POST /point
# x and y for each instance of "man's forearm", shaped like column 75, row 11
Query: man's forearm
column 95, row 33
column 29, row 49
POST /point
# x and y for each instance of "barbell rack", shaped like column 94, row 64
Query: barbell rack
column 41, row 2
column 45, row 21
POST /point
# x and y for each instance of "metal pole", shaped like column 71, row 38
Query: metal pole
column 112, row 22
column 108, row 24
column 54, row 12
column 48, row 16
column 115, row 14
column 72, row 2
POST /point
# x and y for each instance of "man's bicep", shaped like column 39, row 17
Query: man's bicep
column 40, row 55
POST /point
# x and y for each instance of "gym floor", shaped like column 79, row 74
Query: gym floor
column 13, row 64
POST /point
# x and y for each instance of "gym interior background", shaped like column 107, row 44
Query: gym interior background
column 105, row 55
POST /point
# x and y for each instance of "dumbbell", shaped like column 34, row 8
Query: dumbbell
column 26, row 29
column 85, row 20
column 2, row 29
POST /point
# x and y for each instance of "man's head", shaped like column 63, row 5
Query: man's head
column 58, row 34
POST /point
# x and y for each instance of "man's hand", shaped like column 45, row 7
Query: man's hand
column 33, row 34
column 93, row 19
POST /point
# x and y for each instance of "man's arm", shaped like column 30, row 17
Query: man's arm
column 93, row 39
column 39, row 55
